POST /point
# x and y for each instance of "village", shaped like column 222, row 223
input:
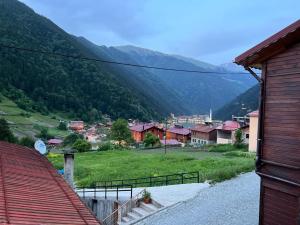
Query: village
column 123, row 135
column 182, row 131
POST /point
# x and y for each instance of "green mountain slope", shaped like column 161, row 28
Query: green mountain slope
column 48, row 83
column 197, row 91
column 241, row 105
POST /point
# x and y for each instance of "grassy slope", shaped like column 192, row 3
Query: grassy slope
column 100, row 166
column 28, row 126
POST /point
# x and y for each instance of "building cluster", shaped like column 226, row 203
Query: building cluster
column 202, row 133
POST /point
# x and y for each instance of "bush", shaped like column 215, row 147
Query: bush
column 27, row 141
column 151, row 140
column 44, row 134
column 71, row 139
column 226, row 148
column 82, row 145
column 105, row 147
column 62, row 126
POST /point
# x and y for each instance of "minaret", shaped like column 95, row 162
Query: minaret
column 210, row 116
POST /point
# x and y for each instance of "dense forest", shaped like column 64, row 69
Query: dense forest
column 43, row 82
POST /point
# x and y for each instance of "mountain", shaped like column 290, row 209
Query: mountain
column 43, row 82
column 243, row 104
column 197, row 91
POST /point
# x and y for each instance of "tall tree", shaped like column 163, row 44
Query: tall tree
column 120, row 131
column 5, row 132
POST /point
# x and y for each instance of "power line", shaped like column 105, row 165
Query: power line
column 112, row 62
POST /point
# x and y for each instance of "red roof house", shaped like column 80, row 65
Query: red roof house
column 54, row 141
column 202, row 135
column 76, row 125
column 179, row 133
column 225, row 132
column 138, row 131
column 32, row 192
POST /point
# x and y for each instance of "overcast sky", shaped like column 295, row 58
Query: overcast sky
column 214, row 31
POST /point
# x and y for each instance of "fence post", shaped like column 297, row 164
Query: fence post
column 130, row 191
column 95, row 191
column 167, row 180
column 182, row 178
column 198, row 176
column 117, row 192
column 105, row 191
column 150, row 181
column 84, row 193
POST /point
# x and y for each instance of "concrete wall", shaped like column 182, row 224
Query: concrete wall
column 101, row 207
column 253, row 130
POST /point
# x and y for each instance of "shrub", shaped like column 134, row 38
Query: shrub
column 27, row 141
column 71, row 139
column 82, row 145
column 151, row 140
column 62, row 126
column 105, row 147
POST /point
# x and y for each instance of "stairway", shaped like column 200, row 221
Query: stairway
column 138, row 213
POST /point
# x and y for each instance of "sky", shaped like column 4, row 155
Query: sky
column 214, row 31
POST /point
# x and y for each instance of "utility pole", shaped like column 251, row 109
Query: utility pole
column 166, row 136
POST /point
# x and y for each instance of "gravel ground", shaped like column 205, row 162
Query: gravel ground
column 233, row 202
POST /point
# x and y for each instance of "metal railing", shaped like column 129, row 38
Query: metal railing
column 178, row 178
column 99, row 191
column 116, row 216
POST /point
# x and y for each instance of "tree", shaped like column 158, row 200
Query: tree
column 27, row 141
column 82, row 145
column 71, row 139
column 238, row 138
column 62, row 126
column 120, row 131
column 151, row 140
column 44, row 134
column 5, row 132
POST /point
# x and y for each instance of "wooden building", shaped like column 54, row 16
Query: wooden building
column 278, row 152
column 179, row 133
column 202, row 135
column 77, row 126
column 138, row 131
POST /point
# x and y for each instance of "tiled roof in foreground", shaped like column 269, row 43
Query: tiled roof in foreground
column 31, row 191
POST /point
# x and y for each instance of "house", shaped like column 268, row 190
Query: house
column 253, row 129
column 245, row 133
column 138, row 131
column 54, row 142
column 226, row 131
column 179, row 133
column 278, row 154
column 77, row 126
column 202, row 135
column 32, row 192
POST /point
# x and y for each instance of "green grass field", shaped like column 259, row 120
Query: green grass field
column 93, row 167
column 28, row 124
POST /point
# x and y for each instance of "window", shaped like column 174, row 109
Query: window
column 247, row 136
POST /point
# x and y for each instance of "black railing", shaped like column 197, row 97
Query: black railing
column 97, row 191
column 178, row 178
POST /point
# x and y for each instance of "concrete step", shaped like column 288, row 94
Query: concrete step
column 148, row 207
column 133, row 215
column 125, row 219
column 142, row 212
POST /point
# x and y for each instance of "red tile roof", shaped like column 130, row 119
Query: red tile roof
column 142, row 127
column 181, row 131
column 229, row 125
column 32, row 192
column 274, row 44
column 54, row 141
column 203, row 129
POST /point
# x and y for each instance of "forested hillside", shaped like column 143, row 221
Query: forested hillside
column 198, row 91
column 243, row 104
column 46, row 83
